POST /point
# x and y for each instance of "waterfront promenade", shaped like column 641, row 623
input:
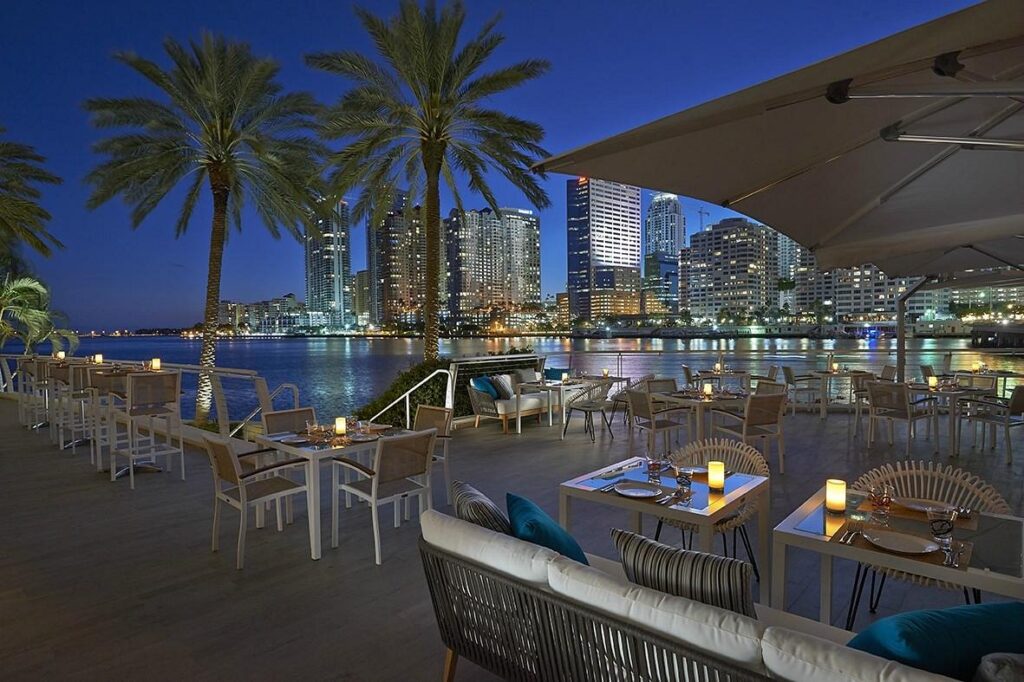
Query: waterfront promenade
column 99, row 582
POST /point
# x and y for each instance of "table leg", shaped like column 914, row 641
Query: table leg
column 952, row 426
column 778, row 600
column 564, row 511
column 825, row 596
column 519, row 415
column 551, row 411
column 706, row 538
column 823, row 398
column 313, row 500
column 764, row 538
column 700, row 421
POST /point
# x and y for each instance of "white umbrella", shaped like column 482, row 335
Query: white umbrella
column 904, row 152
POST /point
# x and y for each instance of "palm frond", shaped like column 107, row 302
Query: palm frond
column 22, row 218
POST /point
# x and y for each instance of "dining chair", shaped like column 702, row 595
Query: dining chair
column 859, row 395
column 801, row 385
column 148, row 396
column 401, row 469
column 738, row 457
column 288, row 421
column 927, row 371
column 663, row 385
column 996, row 413
column 619, row 397
column 772, row 376
column 440, row 418
column 766, row 387
column 761, row 420
column 593, row 400
column 242, row 485
column 691, row 378
column 925, row 481
column 889, row 400
column 888, row 373
column 644, row 416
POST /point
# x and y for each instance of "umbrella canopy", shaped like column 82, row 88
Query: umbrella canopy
column 905, row 153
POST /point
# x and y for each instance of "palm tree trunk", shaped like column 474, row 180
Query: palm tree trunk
column 208, row 353
column 432, row 217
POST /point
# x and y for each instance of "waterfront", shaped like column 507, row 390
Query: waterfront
column 338, row 374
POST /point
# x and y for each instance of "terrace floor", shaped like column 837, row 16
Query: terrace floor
column 98, row 581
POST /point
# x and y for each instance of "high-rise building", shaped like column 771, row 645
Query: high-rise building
column 665, row 226
column 603, row 226
column 361, row 297
column 733, row 266
column 329, row 268
column 684, row 279
column 791, row 256
column 661, row 283
column 616, row 292
column 492, row 261
column 562, row 316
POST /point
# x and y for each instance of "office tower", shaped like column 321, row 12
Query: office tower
column 492, row 261
column 562, row 316
column 684, row 279
column 661, row 283
column 361, row 298
column 664, row 227
column 329, row 268
column 733, row 266
column 603, row 240
column 791, row 256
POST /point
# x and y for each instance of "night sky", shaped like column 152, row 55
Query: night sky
column 615, row 65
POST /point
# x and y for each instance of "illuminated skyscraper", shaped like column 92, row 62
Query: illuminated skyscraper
column 664, row 227
column 329, row 269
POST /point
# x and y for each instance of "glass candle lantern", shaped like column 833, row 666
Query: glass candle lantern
column 98, row 359
column 340, row 426
column 708, row 390
column 835, row 366
column 933, row 382
column 604, row 373
column 718, row 367
column 61, row 355
column 835, row 496
column 976, row 367
column 565, row 377
column 154, row 364
column 716, row 475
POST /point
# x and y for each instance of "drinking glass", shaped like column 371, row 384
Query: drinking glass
column 684, row 480
column 881, row 500
column 941, row 520
column 654, row 468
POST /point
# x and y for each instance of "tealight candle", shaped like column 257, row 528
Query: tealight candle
column 933, row 382
column 154, row 364
column 605, row 373
column 340, row 426
column 61, row 355
column 835, row 495
column 708, row 389
column 835, row 366
column 718, row 367
column 98, row 359
column 976, row 367
column 565, row 377
column 716, row 475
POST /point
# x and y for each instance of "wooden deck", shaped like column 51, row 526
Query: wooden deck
column 100, row 582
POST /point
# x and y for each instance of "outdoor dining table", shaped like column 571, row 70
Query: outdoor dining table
column 952, row 395
column 314, row 456
column 702, row 507
column 995, row 562
column 826, row 377
column 550, row 388
column 741, row 376
column 699, row 405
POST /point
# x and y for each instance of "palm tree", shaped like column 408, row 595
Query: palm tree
column 419, row 115
column 224, row 121
column 22, row 219
column 25, row 314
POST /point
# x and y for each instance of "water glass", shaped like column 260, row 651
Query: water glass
column 684, row 479
column 941, row 520
column 654, row 468
column 881, row 501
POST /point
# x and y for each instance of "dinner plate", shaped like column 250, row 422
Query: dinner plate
column 900, row 542
column 637, row 489
column 295, row 440
column 362, row 437
column 694, row 470
column 921, row 504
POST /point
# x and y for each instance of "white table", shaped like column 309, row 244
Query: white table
column 826, row 377
column 705, row 510
column 550, row 388
column 700, row 406
column 742, row 376
column 989, row 569
column 313, row 456
column 953, row 396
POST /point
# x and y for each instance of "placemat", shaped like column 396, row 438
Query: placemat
column 967, row 523
column 936, row 558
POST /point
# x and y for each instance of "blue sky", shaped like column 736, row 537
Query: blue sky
column 615, row 65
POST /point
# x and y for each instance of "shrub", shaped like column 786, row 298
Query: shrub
column 431, row 393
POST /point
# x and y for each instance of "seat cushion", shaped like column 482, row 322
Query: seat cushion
column 1000, row 668
column 950, row 641
column 714, row 631
column 532, row 524
column 799, row 657
column 527, row 401
column 484, row 385
column 769, row 617
column 503, row 383
column 503, row 553
column 707, row 578
column 473, row 506
column 527, row 374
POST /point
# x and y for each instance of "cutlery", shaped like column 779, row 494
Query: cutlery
column 842, row 538
column 609, row 487
column 851, row 538
column 614, row 472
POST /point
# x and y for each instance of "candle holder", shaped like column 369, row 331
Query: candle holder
column 716, row 476
column 709, row 390
column 61, row 355
column 340, row 426
column 98, row 359
column 604, row 373
column 154, row 364
column 565, row 377
column 835, row 496
column 933, row 383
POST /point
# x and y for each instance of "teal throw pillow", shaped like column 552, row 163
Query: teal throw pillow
column 530, row 523
column 948, row 642
column 484, row 384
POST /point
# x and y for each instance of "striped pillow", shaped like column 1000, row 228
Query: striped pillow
column 707, row 578
column 503, row 382
column 473, row 506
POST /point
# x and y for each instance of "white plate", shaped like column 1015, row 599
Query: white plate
column 637, row 489
column 900, row 542
column 362, row 437
column 694, row 470
column 295, row 441
column 920, row 504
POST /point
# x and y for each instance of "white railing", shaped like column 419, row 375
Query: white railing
column 269, row 406
column 449, row 394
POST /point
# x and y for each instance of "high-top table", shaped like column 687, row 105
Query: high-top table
column 704, row 507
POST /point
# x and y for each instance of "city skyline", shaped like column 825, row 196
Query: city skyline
column 77, row 49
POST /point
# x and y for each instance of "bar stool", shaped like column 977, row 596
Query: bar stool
column 148, row 396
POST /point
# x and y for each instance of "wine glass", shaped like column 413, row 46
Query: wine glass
column 881, row 501
column 941, row 520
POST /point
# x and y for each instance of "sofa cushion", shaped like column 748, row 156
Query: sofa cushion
column 484, row 385
column 473, row 506
column 503, row 384
column 798, row 657
column 711, row 630
column 532, row 524
column 707, row 578
column 503, row 553
column 527, row 374
column 950, row 641
column 527, row 401
column 769, row 617
column 1000, row 668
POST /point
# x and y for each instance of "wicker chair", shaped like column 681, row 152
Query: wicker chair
column 930, row 481
column 738, row 457
column 761, row 420
column 619, row 398
column 593, row 399
column 888, row 400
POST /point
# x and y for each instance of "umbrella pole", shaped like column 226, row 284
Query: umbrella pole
column 901, row 327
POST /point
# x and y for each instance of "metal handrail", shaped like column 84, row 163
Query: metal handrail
column 259, row 408
column 408, row 394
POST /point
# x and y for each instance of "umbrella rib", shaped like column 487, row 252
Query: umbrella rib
column 994, row 257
